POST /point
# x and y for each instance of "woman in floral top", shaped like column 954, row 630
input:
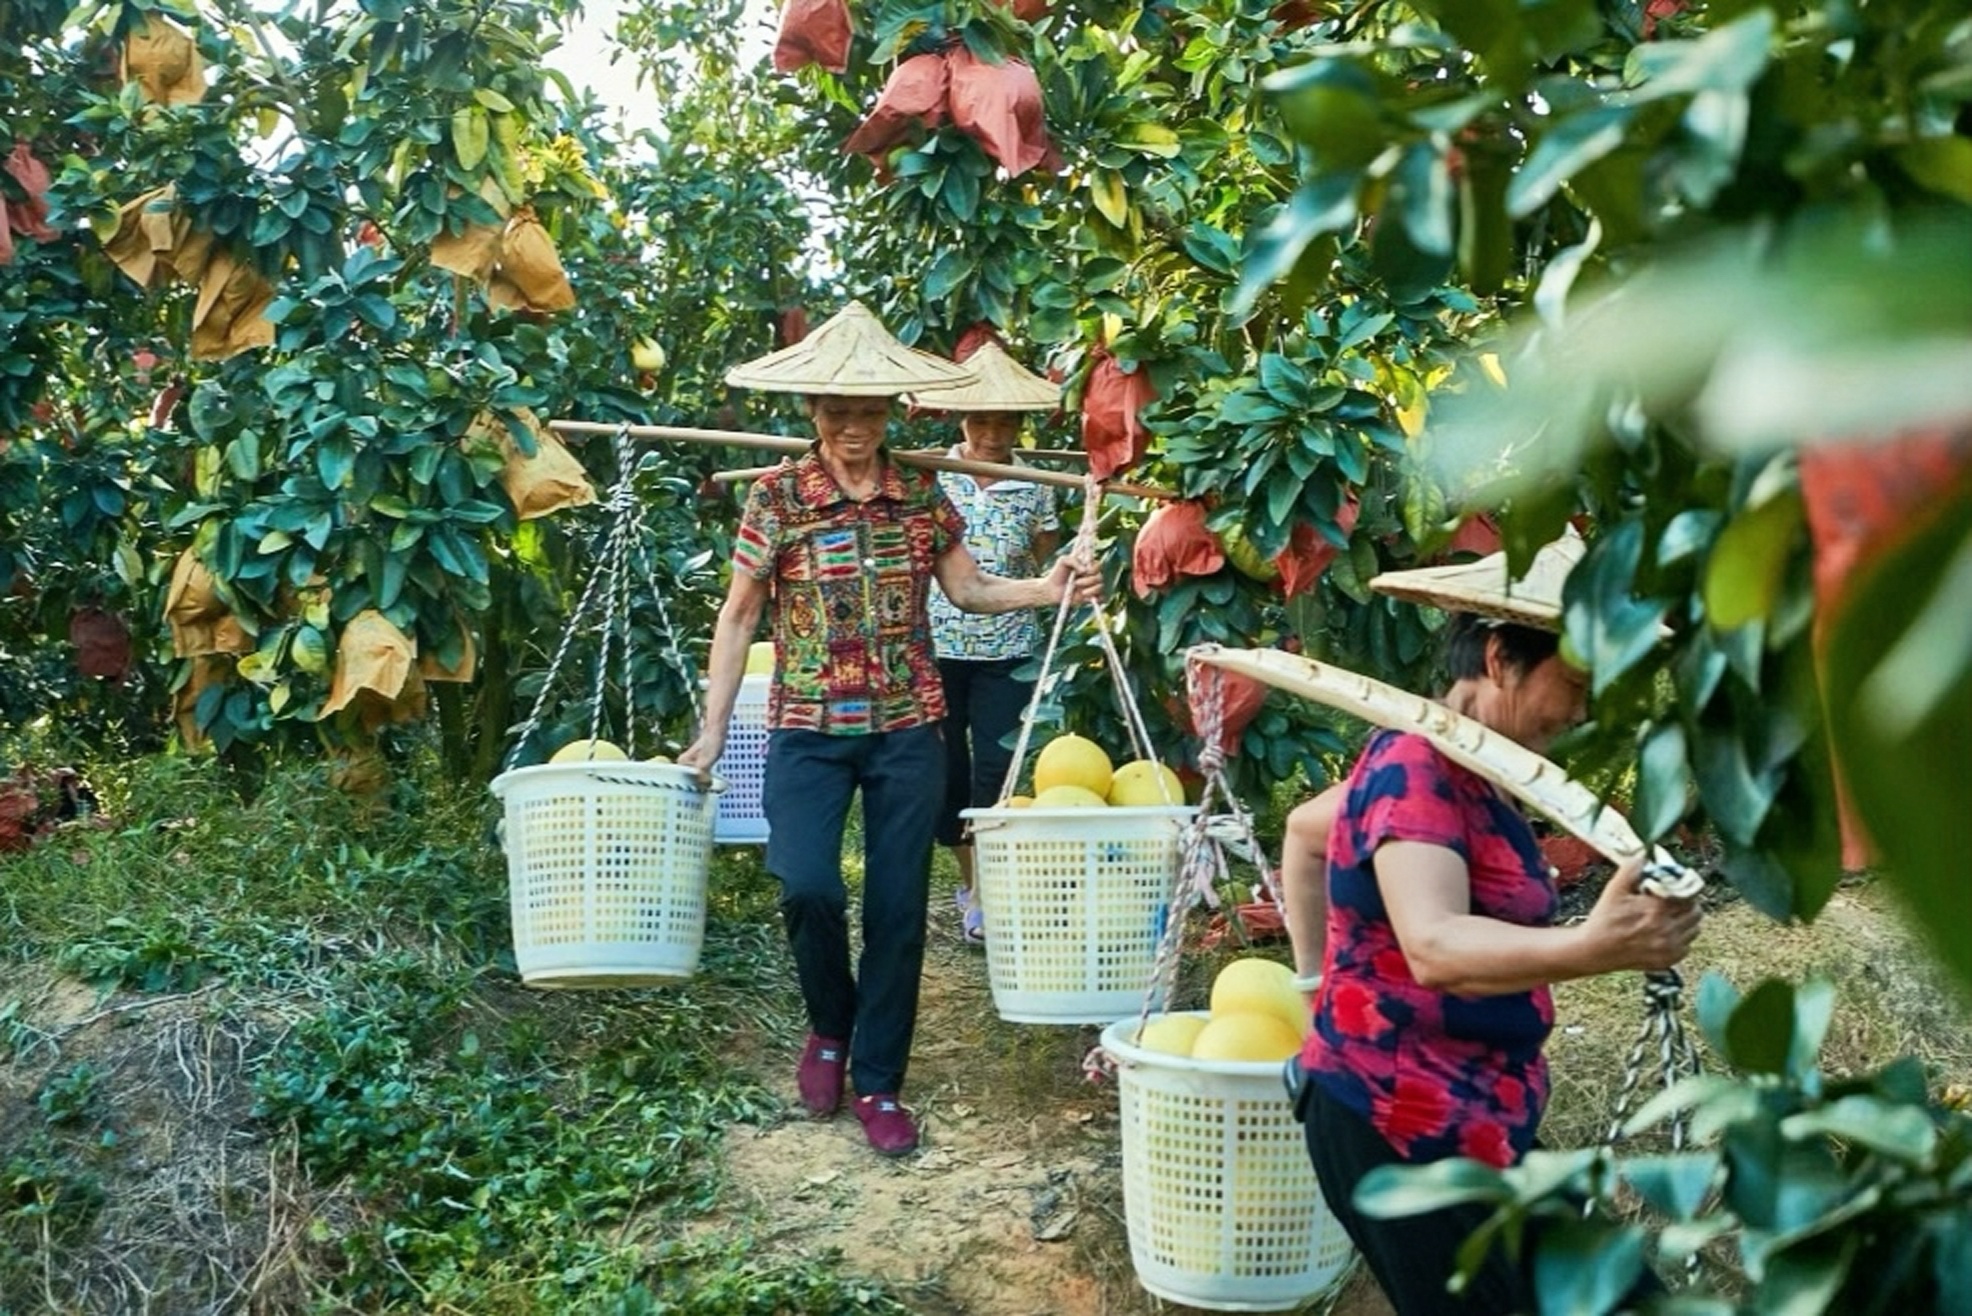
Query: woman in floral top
column 1433, row 1004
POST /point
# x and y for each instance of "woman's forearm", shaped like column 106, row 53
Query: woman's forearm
column 1428, row 894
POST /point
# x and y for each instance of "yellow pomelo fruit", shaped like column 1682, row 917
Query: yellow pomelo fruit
column 1072, row 761
column 1171, row 1034
column 1135, row 785
column 1019, row 801
column 647, row 355
column 1069, row 796
column 760, row 658
column 581, row 751
column 658, row 758
column 1245, row 1035
column 1254, row 985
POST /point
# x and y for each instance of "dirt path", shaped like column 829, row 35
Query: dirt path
column 1013, row 1207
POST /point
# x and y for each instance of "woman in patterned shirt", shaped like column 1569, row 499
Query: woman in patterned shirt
column 840, row 547
column 1433, row 1005
column 1012, row 529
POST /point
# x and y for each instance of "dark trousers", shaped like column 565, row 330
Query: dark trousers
column 1413, row 1256
column 983, row 703
column 810, row 778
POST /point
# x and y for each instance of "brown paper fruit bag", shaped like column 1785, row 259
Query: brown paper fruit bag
column 163, row 59
column 912, row 102
column 813, row 32
column 530, row 266
column 199, row 621
column 546, row 482
column 228, row 318
column 373, row 658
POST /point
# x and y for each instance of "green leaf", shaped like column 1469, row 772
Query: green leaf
column 469, row 136
column 1110, row 196
column 310, row 650
column 1315, row 209
column 1421, row 190
column 1587, row 1266
column 1814, row 1007
column 1675, row 1185
column 1804, row 1280
column 1663, row 782
column 1748, row 563
column 1760, row 1035
column 1717, row 999
column 1402, row 1190
column 1331, row 106
column 1729, row 58
column 1735, row 796
column 1903, row 1133
column 1566, row 148
column 1150, row 138
column 1599, row 601
column 493, row 100
column 1951, row 1259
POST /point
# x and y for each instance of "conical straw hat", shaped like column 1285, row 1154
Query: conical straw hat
column 1482, row 587
column 1003, row 385
column 852, row 355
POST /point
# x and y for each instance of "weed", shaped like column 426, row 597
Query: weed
column 71, row 1097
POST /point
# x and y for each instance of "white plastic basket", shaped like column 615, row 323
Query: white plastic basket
column 1219, row 1198
column 606, row 871
column 1074, row 902
column 742, row 818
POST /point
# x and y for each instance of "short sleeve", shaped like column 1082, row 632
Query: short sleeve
column 1046, row 517
column 1404, row 790
column 947, row 525
column 758, row 543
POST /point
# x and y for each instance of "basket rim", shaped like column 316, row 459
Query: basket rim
column 1111, row 811
column 654, row 774
column 1130, row 1053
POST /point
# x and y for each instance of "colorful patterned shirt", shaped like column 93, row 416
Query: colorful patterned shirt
column 1437, row 1074
column 1001, row 520
column 852, row 637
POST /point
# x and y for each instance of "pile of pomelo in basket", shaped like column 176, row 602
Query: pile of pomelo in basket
column 1256, row 1015
column 598, row 751
column 1073, row 772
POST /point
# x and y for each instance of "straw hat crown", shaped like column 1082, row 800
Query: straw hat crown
column 1482, row 587
column 850, row 355
column 1003, row 384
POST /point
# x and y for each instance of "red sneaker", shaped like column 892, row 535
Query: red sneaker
column 888, row 1126
column 819, row 1076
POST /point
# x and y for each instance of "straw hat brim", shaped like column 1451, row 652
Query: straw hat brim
column 1483, row 588
column 1001, row 384
column 851, row 355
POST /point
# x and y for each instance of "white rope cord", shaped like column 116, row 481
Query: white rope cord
column 607, row 592
column 1082, row 554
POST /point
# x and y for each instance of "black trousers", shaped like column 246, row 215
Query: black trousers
column 1413, row 1257
column 983, row 704
column 810, row 779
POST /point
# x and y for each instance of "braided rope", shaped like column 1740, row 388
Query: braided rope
column 1082, row 554
column 607, row 592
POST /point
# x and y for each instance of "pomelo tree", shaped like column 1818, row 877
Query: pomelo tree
column 285, row 289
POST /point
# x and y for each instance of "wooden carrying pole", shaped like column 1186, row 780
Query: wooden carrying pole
column 936, row 461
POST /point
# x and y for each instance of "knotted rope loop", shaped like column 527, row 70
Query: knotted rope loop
column 605, row 607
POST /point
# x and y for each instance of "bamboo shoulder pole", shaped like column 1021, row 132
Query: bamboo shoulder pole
column 1120, row 489
column 936, row 461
